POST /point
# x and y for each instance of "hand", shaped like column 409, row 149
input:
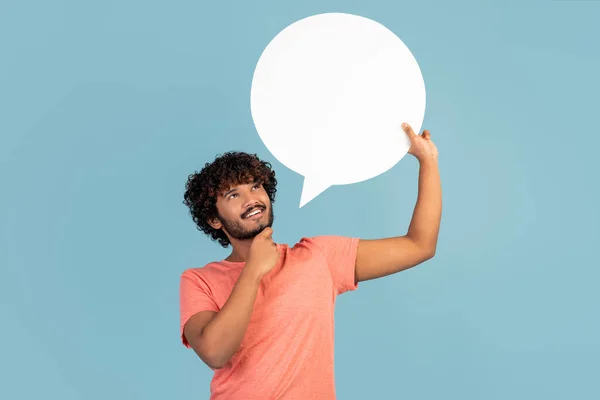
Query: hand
column 421, row 146
column 263, row 254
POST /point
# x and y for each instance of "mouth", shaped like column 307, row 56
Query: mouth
column 254, row 213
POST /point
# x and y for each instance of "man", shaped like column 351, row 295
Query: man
column 262, row 318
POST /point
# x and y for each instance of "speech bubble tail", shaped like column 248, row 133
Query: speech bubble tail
column 312, row 188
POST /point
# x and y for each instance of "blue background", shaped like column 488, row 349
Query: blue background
column 106, row 107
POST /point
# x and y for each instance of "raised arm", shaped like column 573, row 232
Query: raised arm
column 382, row 257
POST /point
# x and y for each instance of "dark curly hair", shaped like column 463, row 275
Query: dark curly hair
column 226, row 171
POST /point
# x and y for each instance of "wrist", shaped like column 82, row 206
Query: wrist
column 249, row 275
column 428, row 159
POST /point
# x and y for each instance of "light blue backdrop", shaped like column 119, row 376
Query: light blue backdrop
column 107, row 106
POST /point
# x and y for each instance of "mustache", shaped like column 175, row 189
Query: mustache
column 258, row 207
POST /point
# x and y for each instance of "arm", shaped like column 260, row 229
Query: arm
column 215, row 337
column 382, row 257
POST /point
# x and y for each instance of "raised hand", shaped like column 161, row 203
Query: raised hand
column 421, row 146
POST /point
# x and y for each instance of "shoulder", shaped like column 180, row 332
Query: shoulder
column 207, row 272
column 196, row 272
column 323, row 242
column 313, row 240
column 327, row 244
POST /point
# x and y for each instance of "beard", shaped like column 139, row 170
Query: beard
column 237, row 230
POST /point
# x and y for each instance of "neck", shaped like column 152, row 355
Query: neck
column 240, row 251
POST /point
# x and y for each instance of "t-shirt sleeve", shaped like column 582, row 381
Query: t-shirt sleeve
column 340, row 253
column 194, row 296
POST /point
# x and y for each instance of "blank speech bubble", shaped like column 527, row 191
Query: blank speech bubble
column 328, row 96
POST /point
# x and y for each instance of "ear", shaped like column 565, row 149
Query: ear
column 215, row 223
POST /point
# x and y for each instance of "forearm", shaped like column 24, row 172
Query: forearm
column 425, row 224
column 223, row 335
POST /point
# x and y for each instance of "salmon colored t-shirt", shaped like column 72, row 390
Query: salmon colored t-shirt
column 288, row 350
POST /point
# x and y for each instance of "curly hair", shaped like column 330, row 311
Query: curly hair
column 226, row 171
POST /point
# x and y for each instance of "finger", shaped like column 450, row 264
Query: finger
column 426, row 134
column 408, row 129
column 267, row 232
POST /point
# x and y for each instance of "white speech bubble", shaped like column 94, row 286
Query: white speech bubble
column 328, row 96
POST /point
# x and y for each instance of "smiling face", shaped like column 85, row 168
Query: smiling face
column 243, row 211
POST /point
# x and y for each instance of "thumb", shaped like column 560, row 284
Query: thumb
column 411, row 136
column 408, row 130
column 267, row 232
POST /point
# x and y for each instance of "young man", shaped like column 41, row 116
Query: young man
column 262, row 318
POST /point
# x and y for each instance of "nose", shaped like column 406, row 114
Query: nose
column 250, row 200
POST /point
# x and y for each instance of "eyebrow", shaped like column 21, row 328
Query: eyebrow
column 229, row 192
column 235, row 188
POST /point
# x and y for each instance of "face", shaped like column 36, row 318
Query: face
column 244, row 211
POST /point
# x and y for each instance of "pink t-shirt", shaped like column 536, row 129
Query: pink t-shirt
column 287, row 352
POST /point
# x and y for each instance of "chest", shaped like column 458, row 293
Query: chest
column 299, row 291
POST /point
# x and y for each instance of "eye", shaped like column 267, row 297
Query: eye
column 231, row 196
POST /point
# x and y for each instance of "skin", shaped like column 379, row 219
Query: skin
column 382, row 257
column 215, row 337
column 232, row 207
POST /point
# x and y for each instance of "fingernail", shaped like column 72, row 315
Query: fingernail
column 404, row 125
